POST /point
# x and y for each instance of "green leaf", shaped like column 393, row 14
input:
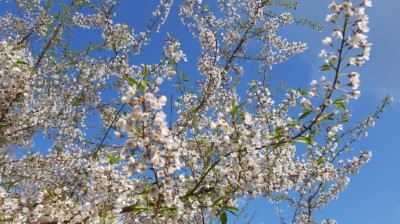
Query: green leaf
column 140, row 208
column 235, row 109
column 144, row 85
column 223, row 217
column 216, row 202
column 326, row 67
column 58, row 148
column 305, row 114
column 146, row 71
column 231, row 209
column 76, row 102
column 4, row 219
column 79, row 2
column 281, row 142
column 193, row 109
column 112, row 218
column 325, row 117
column 132, row 81
column 186, row 78
column 171, row 64
column 303, row 91
column 306, row 139
column 20, row 62
column 50, row 192
column 303, row 140
column 232, row 104
column 198, row 132
column 320, row 160
column 340, row 104
column 112, row 159
column 9, row 185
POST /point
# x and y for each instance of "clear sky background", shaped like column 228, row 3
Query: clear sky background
column 373, row 196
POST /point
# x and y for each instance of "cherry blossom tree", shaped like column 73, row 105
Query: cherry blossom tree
column 157, row 159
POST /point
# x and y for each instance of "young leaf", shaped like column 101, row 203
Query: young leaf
column 326, row 67
column 320, row 160
column 305, row 114
column 112, row 159
column 132, row 81
column 20, row 62
column 339, row 103
column 223, row 217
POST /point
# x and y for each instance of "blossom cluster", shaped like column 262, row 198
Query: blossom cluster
column 134, row 155
column 16, row 80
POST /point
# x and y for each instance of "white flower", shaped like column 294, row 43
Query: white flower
column 363, row 26
column 159, row 81
column 354, row 75
column 323, row 54
column 213, row 125
column 305, row 102
column 226, row 138
column 11, row 203
column 195, row 204
column 312, row 94
column 131, row 91
column 352, row 61
column 117, row 134
column 162, row 100
column 314, row 83
column 338, row 34
column 367, row 3
column 347, row 5
column 327, row 41
column 349, row 14
column 3, row 193
column 354, row 80
column 153, row 192
column 328, row 102
column 155, row 105
column 359, row 11
column 137, row 112
column 332, row 59
column 159, row 118
column 354, row 85
column 125, row 99
column 247, row 118
column 357, row 40
column 333, row 6
column 149, row 97
column 225, row 126
column 332, row 18
column 355, row 94
column 336, row 128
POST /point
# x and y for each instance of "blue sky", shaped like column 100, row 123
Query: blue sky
column 373, row 196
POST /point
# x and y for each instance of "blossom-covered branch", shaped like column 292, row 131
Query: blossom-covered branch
column 115, row 158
